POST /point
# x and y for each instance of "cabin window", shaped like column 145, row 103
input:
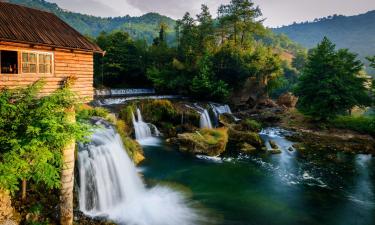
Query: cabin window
column 45, row 63
column 29, row 62
column 9, row 62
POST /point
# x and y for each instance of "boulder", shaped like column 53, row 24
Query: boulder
column 238, row 137
column 248, row 148
column 7, row 213
column 211, row 142
column 275, row 151
column 273, row 144
column 287, row 100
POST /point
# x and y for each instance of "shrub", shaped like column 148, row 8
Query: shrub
column 33, row 131
column 158, row 110
column 85, row 112
column 126, row 114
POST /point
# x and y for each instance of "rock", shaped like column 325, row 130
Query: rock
column 238, row 137
column 273, row 144
column 247, row 148
column 275, row 151
column 138, row 157
column 211, row 142
column 7, row 214
column 291, row 149
column 287, row 100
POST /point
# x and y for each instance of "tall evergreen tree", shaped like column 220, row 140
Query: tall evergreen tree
column 331, row 83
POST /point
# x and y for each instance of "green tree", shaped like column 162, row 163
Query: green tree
column 331, row 83
column 123, row 63
column 204, row 85
column 238, row 18
column 299, row 61
column 33, row 131
column 206, row 28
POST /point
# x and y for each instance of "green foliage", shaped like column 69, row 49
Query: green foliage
column 124, row 61
column 85, row 112
column 158, row 110
column 372, row 61
column 331, row 83
column 205, row 85
column 362, row 124
column 32, row 133
column 126, row 114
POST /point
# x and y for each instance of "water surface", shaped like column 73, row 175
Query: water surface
column 271, row 189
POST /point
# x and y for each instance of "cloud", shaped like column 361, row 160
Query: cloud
column 175, row 8
column 91, row 7
column 276, row 12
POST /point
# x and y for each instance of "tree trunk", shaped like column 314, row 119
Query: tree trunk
column 24, row 185
column 67, row 178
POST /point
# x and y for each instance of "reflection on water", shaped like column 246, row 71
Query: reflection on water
column 272, row 189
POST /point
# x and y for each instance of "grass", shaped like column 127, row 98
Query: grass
column 362, row 124
column 212, row 136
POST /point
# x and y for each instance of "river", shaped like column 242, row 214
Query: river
column 271, row 189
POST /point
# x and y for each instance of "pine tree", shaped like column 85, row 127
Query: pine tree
column 331, row 83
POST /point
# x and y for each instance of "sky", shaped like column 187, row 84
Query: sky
column 276, row 12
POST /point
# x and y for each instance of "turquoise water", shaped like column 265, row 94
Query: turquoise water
column 271, row 189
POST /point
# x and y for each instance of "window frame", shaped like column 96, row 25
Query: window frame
column 37, row 53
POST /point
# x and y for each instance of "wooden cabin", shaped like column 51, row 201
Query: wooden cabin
column 35, row 44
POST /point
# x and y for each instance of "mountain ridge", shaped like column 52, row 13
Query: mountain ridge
column 356, row 33
column 139, row 27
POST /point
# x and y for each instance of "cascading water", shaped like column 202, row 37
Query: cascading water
column 109, row 186
column 205, row 120
column 221, row 109
column 143, row 131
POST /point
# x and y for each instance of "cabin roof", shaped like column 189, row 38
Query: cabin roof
column 21, row 24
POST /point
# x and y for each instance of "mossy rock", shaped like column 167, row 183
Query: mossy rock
column 133, row 148
column 275, row 151
column 251, row 125
column 273, row 144
column 211, row 142
column 248, row 148
column 238, row 137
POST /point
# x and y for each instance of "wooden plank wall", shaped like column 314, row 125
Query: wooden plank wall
column 66, row 64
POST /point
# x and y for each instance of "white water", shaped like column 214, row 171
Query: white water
column 205, row 120
column 144, row 132
column 222, row 109
column 119, row 101
column 110, row 187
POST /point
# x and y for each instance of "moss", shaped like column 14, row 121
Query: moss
column 126, row 114
column 210, row 142
column 86, row 112
column 158, row 110
column 133, row 148
column 237, row 137
column 251, row 125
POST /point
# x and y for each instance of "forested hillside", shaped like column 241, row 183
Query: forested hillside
column 143, row 27
column 354, row 32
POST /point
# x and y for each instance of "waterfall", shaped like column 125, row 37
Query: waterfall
column 205, row 120
column 221, row 109
column 143, row 131
column 110, row 187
